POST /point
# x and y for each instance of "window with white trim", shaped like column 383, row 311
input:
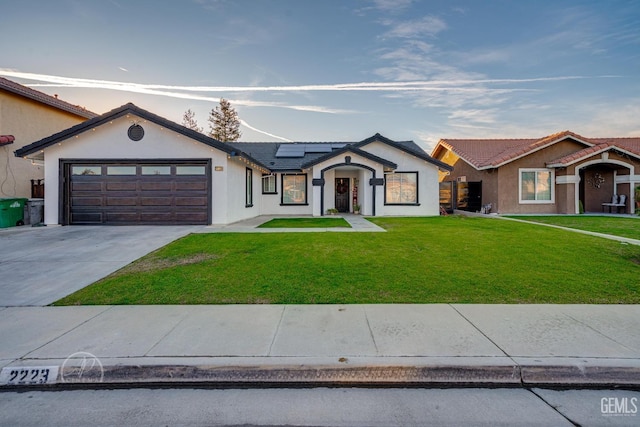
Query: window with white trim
column 536, row 186
column 269, row 184
column 294, row 189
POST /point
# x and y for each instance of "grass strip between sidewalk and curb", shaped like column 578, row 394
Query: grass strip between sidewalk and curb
column 451, row 259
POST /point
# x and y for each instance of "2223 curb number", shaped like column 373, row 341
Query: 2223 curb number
column 29, row 375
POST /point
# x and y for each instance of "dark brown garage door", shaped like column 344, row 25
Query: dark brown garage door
column 137, row 193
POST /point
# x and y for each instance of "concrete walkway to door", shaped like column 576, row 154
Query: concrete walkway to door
column 357, row 222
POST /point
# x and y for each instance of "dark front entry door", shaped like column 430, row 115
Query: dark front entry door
column 342, row 194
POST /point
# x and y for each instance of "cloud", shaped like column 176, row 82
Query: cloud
column 123, row 69
column 391, row 5
column 427, row 26
column 464, row 96
column 168, row 91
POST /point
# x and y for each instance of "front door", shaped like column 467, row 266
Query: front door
column 342, row 194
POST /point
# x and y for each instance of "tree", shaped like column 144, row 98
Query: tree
column 224, row 123
column 189, row 121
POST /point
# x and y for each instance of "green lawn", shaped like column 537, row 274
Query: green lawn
column 622, row 226
column 306, row 223
column 419, row 260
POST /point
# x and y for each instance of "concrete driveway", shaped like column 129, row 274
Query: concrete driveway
column 39, row 265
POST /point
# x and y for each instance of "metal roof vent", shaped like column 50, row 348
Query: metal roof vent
column 135, row 132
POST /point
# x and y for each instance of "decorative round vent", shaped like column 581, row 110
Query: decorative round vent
column 135, row 132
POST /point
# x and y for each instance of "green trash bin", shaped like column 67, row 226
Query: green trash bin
column 11, row 212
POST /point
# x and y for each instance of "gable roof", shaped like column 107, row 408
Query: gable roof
column 493, row 153
column 266, row 152
column 43, row 98
column 350, row 149
column 409, row 147
column 123, row 111
column 6, row 139
column 629, row 146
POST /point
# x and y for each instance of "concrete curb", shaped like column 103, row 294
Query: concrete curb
column 307, row 376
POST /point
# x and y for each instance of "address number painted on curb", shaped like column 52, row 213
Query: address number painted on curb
column 29, row 375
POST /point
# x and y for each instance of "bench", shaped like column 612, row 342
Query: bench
column 616, row 202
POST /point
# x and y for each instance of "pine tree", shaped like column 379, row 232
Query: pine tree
column 189, row 121
column 224, row 123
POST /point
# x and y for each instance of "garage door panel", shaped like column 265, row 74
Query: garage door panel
column 122, row 186
column 86, row 201
column 122, row 201
column 194, row 217
column 86, row 218
column 190, row 185
column 86, row 186
column 191, row 201
column 123, row 217
column 159, row 217
column 143, row 198
column 156, row 201
column 156, row 186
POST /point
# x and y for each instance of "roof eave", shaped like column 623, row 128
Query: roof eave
column 427, row 158
column 350, row 149
column 121, row 112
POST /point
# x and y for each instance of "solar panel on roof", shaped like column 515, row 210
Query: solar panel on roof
column 317, row 148
column 290, row 150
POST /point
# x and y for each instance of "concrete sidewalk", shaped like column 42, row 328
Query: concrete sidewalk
column 439, row 344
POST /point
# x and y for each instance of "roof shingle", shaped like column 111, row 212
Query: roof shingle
column 38, row 96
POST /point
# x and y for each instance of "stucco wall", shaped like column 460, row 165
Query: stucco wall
column 110, row 141
column 428, row 187
column 28, row 121
column 510, row 174
column 271, row 204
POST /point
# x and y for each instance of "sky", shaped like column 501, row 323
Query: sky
column 329, row 70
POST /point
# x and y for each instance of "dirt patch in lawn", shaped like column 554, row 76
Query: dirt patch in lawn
column 157, row 263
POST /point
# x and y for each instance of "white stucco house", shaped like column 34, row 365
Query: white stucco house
column 130, row 166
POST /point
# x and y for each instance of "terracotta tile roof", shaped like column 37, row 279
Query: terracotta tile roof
column 492, row 153
column 629, row 145
column 6, row 139
column 38, row 96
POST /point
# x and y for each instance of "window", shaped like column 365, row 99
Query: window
column 121, row 170
column 294, row 189
column 86, row 170
column 191, row 170
column 401, row 188
column 536, row 186
column 249, row 188
column 156, row 170
column 269, row 184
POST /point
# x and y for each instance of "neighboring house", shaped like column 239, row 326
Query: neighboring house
column 130, row 166
column 558, row 174
column 28, row 115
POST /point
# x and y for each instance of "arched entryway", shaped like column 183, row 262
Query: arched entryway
column 599, row 181
column 350, row 184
